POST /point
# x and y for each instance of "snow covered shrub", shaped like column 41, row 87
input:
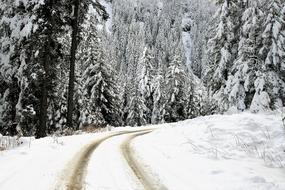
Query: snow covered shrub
column 7, row 142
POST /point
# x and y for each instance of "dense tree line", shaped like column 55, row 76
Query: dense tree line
column 35, row 54
column 149, row 47
column 70, row 63
column 245, row 62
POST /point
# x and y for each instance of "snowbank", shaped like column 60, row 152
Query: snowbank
column 240, row 151
column 37, row 164
column 222, row 152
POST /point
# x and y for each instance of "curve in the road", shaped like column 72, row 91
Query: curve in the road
column 143, row 176
column 76, row 170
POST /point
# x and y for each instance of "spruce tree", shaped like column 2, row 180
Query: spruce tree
column 145, row 82
column 176, row 102
column 158, row 98
column 100, row 86
column 32, row 50
column 223, row 48
column 281, row 43
column 240, row 86
column 136, row 106
column 269, row 80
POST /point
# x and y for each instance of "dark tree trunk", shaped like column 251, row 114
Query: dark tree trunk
column 14, row 97
column 41, row 130
column 74, row 43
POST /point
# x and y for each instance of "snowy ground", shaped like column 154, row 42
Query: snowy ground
column 38, row 165
column 230, row 152
column 109, row 170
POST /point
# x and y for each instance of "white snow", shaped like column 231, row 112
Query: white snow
column 236, row 152
column 108, row 7
column 38, row 166
column 224, row 152
column 108, row 169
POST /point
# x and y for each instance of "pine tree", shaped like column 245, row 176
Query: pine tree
column 175, row 104
column 271, row 54
column 145, row 82
column 32, row 50
column 192, row 91
column 87, row 56
column 272, row 47
column 58, row 104
column 136, row 109
column 240, row 86
column 158, row 98
column 135, row 105
column 100, row 86
column 11, row 39
column 223, row 48
column 78, row 10
column 281, row 43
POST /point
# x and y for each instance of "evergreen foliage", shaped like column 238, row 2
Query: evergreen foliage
column 141, row 63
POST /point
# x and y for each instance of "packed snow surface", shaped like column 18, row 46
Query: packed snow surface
column 108, row 169
column 37, row 166
column 223, row 152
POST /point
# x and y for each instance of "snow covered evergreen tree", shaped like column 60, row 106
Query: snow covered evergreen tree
column 100, row 88
column 240, row 86
column 145, row 82
column 158, row 98
column 147, row 68
column 136, row 114
column 136, row 109
column 281, row 43
column 87, row 56
column 269, row 82
column 31, row 52
column 223, row 48
column 176, row 98
column 254, row 80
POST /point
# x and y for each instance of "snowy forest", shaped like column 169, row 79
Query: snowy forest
column 67, row 64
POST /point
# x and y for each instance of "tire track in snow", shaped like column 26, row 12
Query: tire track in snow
column 75, row 172
column 143, row 176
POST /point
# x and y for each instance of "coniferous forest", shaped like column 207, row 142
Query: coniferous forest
column 66, row 64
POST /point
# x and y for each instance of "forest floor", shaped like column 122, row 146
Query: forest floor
column 223, row 152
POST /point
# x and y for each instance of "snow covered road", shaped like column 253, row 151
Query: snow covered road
column 85, row 170
column 144, row 175
column 109, row 169
column 52, row 163
column 222, row 152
